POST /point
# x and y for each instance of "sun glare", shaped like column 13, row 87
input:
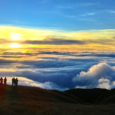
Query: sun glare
column 15, row 45
column 15, row 36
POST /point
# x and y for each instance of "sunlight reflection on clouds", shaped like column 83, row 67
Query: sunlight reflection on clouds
column 56, row 70
column 27, row 82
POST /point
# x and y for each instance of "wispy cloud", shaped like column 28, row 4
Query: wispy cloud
column 66, row 7
column 111, row 11
column 76, row 5
column 55, row 42
column 88, row 14
column 87, row 4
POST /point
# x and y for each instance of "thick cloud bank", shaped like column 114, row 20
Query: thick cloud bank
column 60, row 70
column 101, row 75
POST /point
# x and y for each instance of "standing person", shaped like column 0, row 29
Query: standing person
column 16, row 81
column 5, row 80
column 13, row 80
column 1, row 80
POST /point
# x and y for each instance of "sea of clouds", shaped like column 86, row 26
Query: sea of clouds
column 61, row 71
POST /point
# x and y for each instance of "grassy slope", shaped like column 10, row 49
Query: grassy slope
column 33, row 101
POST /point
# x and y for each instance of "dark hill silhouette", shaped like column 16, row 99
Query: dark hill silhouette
column 75, row 96
column 107, row 97
column 89, row 96
column 23, row 100
column 50, row 95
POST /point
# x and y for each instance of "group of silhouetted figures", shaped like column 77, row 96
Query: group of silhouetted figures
column 3, row 81
column 14, row 81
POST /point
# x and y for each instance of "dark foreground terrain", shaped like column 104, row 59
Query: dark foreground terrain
column 35, row 101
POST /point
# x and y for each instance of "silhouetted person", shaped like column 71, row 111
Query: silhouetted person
column 1, row 80
column 13, row 80
column 5, row 80
column 16, row 80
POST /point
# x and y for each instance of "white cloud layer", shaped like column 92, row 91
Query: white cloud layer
column 100, row 75
column 61, row 71
column 27, row 82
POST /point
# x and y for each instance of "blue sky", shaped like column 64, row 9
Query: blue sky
column 67, row 15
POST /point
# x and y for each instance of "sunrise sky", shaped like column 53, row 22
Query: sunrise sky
column 58, row 44
column 57, row 25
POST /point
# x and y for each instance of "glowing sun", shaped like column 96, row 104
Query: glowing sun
column 15, row 36
column 15, row 45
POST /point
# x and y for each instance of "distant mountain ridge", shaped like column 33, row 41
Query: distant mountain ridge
column 94, row 96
